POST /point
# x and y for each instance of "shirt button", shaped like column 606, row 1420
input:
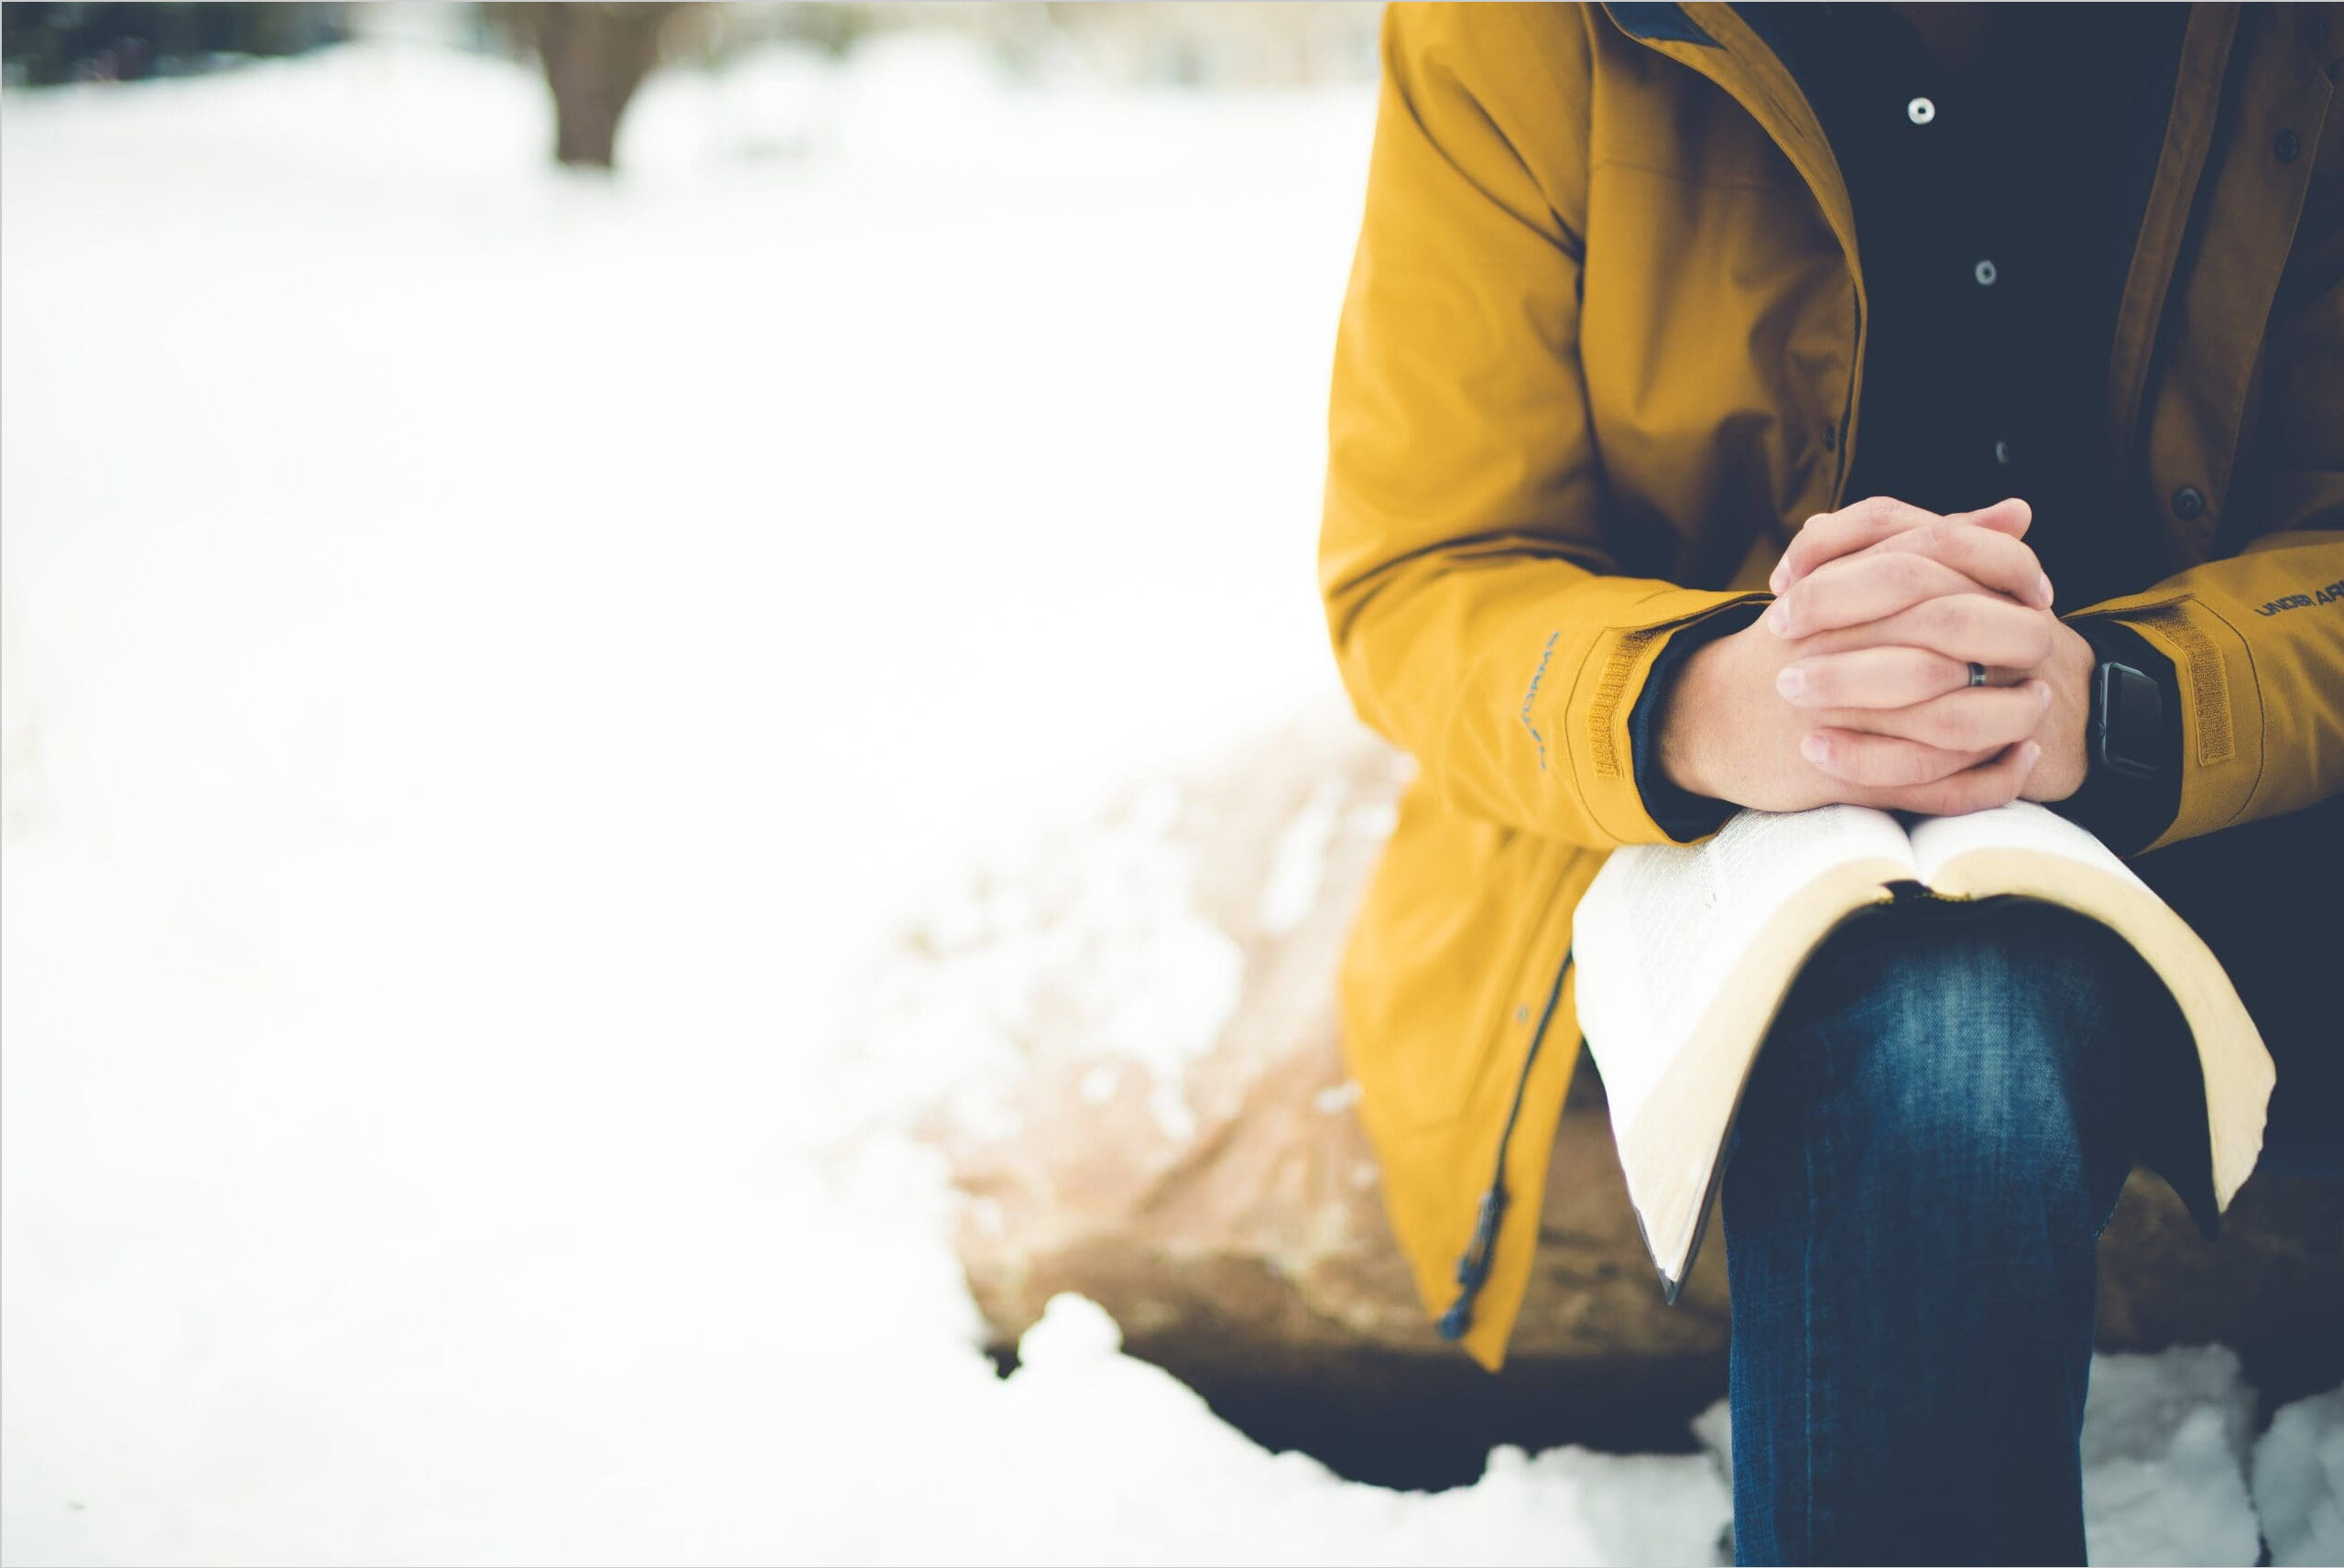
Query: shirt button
column 1985, row 274
column 2002, row 453
column 2287, row 146
column 1831, row 437
column 1920, row 110
column 2188, row 503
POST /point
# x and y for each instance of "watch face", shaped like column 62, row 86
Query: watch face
column 2131, row 724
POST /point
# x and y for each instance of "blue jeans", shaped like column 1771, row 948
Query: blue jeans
column 1933, row 1137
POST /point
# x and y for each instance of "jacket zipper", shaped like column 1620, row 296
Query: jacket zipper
column 1472, row 1266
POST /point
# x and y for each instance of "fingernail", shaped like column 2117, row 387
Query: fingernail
column 1778, row 618
column 2041, row 692
column 1815, row 749
column 2029, row 755
column 2043, row 586
column 1774, row 580
column 1791, row 680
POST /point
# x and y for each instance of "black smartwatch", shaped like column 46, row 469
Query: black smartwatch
column 2132, row 786
column 2128, row 720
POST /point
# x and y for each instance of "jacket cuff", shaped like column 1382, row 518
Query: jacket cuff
column 1680, row 813
column 1604, row 697
column 2126, row 813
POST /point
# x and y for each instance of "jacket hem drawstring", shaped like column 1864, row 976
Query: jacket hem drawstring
column 1472, row 1266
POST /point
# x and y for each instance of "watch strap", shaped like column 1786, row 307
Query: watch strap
column 2124, row 810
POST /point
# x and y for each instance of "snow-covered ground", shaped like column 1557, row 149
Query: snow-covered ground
column 485, row 654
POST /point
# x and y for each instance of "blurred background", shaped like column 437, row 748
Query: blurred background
column 666, row 761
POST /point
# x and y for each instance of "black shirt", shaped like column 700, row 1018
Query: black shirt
column 1992, row 222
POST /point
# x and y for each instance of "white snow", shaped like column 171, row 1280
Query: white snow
column 2299, row 1481
column 1298, row 860
column 1069, row 946
column 1178, row 1487
column 485, row 657
column 2164, row 1454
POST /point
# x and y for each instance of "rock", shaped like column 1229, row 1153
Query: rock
column 1161, row 1123
column 2272, row 1288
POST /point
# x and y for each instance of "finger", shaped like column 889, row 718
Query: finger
column 1980, row 789
column 1830, row 535
column 1860, row 588
column 1881, row 761
column 1975, row 629
column 1992, row 560
column 1883, row 677
column 1984, row 719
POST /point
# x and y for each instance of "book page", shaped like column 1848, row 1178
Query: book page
column 2021, row 825
column 1662, row 925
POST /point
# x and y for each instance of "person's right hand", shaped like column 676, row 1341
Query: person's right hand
column 1881, row 613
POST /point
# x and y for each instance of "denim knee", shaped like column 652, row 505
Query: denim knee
column 1962, row 1053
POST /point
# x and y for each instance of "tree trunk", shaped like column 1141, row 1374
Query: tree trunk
column 595, row 56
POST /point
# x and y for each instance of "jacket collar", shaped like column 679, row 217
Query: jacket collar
column 1718, row 42
column 1714, row 41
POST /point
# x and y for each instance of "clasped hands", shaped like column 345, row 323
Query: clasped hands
column 1855, row 686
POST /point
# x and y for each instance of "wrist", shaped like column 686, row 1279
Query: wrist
column 2067, row 747
column 1684, row 815
column 1686, row 731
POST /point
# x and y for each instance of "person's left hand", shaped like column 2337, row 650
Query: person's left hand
column 1888, row 605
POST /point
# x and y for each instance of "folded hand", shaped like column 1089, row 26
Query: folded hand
column 1857, row 684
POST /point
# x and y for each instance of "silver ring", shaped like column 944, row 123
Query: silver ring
column 1977, row 674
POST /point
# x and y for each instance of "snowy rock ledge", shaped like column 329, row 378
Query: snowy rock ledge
column 1147, row 1107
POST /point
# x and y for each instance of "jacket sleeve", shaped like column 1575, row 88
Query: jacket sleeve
column 2257, row 638
column 1480, row 617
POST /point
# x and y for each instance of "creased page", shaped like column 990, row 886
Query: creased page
column 1662, row 925
column 2021, row 825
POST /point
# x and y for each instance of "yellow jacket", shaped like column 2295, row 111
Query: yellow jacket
column 1599, row 354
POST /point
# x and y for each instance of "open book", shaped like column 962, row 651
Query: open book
column 1684, row 952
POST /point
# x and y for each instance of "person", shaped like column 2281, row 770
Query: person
column 1925, row 406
